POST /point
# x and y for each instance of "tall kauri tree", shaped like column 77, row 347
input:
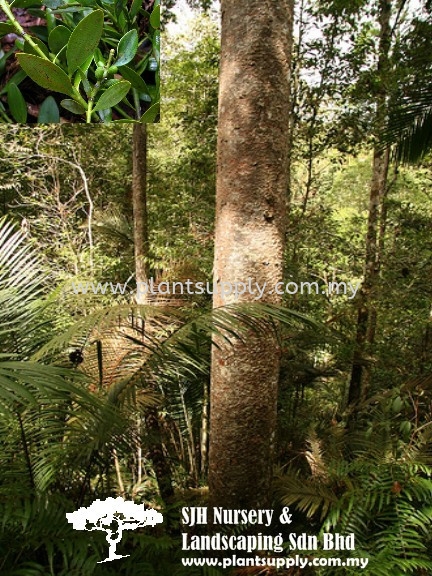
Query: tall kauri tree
column 249, row 241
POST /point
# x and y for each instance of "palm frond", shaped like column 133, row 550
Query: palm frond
column 309, row 496
column 114, row 225
column 174, row 345
column 23, row 284
column 410, row 127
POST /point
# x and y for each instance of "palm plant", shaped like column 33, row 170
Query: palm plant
column 168, row 366
column 70, row 434
column 47, row 418
column 410, row 119
column 410, row 127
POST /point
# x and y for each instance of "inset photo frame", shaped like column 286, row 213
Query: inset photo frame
column 85, row 61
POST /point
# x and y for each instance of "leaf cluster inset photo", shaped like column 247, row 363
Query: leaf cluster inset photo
column 90, row 61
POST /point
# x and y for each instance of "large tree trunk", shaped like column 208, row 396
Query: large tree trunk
column 365, row 331
column 249, row 243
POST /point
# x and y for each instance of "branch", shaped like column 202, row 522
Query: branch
column 86, row 190
column 5, row 6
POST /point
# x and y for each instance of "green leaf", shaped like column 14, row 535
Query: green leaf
column 405, row 427
column 45, row 73
column 98, row 56
column 25, row 3
column 3, row 59
column 155, row 17
column 49, row 112
column 156, row 45
column 134, row 78
column 70, row 10
column 16, row 79
column 6, row 28
column 105, row 115
column 120, row 5
column 136, row 5
column 113, row 95
column 150, row 115
column 127, row 48
column 17, row 104
column 84, row 40
column 86, row 84
column 153, row 93
column 54, row 3
column 397, row 404
column 19, row 44
column 72, row 106
column 40, row 32
column 58, row 38
column 51, row 23
column 28, row 48
column 86, row 65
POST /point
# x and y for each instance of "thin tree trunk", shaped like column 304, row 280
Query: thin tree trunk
column 139, row 203
column 156, row 454
column 370, row 335
column 380, row 167
column 137, row 466
column 249, row 242
column 296, row 54
column 141, row 251
column 204, row 431
column 118, row 474
column 193, row 468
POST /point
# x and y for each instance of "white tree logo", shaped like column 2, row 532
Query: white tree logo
column 113, row 515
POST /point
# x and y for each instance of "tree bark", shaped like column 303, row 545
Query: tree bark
column 139, row 204
column 365, row 333
column 204, row 431
column 249, row 242
column 141, row 251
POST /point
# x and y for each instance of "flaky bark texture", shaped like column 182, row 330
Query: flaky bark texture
column 139, row 203
column 249, row 243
